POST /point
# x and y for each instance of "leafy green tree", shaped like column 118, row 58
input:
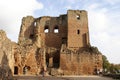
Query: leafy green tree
column 117, row 68
column 106, row 64
column 112, row 68
column 109, row 67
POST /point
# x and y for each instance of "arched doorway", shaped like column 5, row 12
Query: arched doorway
column 26, row 69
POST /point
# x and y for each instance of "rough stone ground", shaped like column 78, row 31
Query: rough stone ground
column 61, row 78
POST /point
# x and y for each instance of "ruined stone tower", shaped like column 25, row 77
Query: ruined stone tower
column 59, row 45
column 78, row 34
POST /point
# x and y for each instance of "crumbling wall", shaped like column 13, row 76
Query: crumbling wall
column 24, row 56
column 80, row 62
column 6, row 56
column 27, row 29
column 51, row 38
column 33, row 31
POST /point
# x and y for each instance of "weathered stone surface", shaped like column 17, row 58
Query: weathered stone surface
column 6, row 56
column 83, row 62
column 53, row 45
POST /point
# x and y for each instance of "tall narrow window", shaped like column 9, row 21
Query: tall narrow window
column 78, row 31
column 46, row 30
column 35, row 24
column 56, row 29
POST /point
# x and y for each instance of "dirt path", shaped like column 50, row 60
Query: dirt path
column 61, row 78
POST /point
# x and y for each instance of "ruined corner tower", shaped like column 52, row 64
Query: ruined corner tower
column 78, row 33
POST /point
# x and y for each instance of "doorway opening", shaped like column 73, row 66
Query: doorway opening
column 15, row 70
column 47, row 59
column 56, row 59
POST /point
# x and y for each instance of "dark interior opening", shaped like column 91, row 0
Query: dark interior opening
column 46, row 29
column 78, row 31
column 26, row 69
column 47, row 59
column 64, row 40
column 78, row 17
column 84, row 39
column 31, row 36
column 56, row 59
column 15, row 70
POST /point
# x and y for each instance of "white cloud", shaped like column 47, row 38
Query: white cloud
column 11, row 13
column 68, row 7
column 72, row 1
column 98, row 21
column 112, row 2
column 93, row 6
column 103, row 17
column 104, row 29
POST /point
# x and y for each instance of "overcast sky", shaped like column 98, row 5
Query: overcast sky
column 103, row 15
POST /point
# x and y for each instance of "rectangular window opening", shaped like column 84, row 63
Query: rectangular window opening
column 78, row 31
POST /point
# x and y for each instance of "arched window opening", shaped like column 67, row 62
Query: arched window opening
column 78, row 17
column 46, row 30
column 35, row 24
column 78, row 31
column 56, row 29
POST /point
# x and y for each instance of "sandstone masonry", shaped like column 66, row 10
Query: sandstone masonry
column 59, row 45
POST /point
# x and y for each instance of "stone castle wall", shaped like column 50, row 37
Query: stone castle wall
column 83, row 62
column 59, row 45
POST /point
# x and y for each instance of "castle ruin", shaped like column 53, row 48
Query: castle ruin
column 59, row 45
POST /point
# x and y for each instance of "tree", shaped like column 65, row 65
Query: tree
column 109, row 67
column 117, row 68
column 106, row 64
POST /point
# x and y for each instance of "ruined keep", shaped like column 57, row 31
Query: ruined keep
column 59, row 45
